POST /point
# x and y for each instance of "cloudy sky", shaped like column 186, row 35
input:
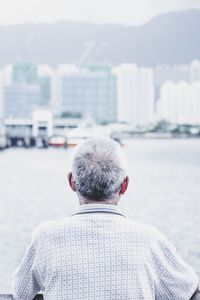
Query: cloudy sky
column 130, row 12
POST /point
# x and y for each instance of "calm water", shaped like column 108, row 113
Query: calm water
column 164, row 191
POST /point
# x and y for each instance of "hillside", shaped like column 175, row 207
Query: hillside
column 167, row 39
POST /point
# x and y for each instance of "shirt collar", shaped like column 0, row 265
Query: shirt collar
column 88, row 208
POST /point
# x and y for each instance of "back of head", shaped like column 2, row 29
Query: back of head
column 98, row 168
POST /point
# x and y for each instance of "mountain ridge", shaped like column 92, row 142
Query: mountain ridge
column 170, row 38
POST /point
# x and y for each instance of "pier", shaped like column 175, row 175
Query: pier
column 43, row 130
column 36, row 131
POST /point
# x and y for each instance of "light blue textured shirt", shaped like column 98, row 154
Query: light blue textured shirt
column 98, row 254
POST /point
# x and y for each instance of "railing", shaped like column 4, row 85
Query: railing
column 10, row 297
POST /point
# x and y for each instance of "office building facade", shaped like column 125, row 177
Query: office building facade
column 135, row 94
column 20, row 100
column 88, row 92
column 46, row 82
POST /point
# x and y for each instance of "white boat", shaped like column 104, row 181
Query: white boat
column 74, row 136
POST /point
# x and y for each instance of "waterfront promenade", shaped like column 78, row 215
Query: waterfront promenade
column 164, row 191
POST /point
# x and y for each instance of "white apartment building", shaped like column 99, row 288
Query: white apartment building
column 195, row 71
column 7, row 74
column 135, row 94
column 174, row 73
column 179, row 103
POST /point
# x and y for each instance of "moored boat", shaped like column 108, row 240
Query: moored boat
column 74, row 136
column 57, row 141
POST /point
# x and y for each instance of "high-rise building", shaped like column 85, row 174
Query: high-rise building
column 20, row 100
column 24, row 73
column 45, row 81
column 195, row 71
column 88, row 92
column 27, row 87
column 180, row 103
column 7, row 74
column 60, row 72
column 135, row 94
column 173, row 73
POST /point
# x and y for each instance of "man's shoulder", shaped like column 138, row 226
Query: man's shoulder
column 147, row 231
column 50, row 227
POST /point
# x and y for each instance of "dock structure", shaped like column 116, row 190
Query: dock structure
column 41, row 127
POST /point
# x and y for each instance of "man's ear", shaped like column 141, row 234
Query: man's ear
column 71, row 181
column 124, row 186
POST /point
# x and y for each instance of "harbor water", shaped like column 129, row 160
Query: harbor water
column 164, row 191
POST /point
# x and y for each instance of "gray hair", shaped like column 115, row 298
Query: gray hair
column 99, row 167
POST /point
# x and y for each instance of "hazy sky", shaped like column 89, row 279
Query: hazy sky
column 131, row 12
